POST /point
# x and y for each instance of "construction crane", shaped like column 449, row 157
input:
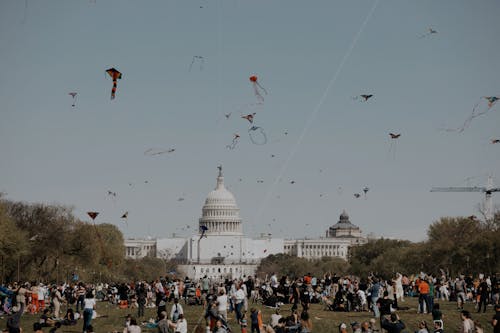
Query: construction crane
column 487, row 190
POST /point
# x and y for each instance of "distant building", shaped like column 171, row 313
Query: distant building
column 140, row 248
column 339, row 238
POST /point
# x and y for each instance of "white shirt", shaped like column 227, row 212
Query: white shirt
column 88, row 303
column 174, row 307
column 181, row 326
column 222, row 302
column 239, row 296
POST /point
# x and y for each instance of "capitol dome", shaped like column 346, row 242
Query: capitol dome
column 220, row 214
column 343, row 228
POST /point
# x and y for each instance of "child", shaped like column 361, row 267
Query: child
column 255, row 320
column 243, row 322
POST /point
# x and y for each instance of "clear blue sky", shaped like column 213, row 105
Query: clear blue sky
column 53, row 153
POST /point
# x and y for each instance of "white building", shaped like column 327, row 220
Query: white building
column 339, row 238
column 222, row 250
column 140, row 248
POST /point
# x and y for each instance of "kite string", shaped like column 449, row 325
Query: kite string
column 315, row 111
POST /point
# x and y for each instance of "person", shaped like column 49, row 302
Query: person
column 424, row 305
column 495, row 321
column 132, row 327
column 14, row 320
column 305, row 323
column 45, row 319
column 80, row 295
column 438, row 326
column 181, row 325
column 365, row 327
column 141, row 294
column 460, row 289
column 239, row 298
column 280, row 328
column 69, row 318
column 385, row 304
column 467, row 323
column 57, row 299
column 176, row 310
column 356, row 327
column 89, row 306
column 255, row 320
column 275, row 317
column 483, row 291
column 219, row 328
column 342, row 328
column 163, row 323
column 243, row 322
column 394, row 325
column 222, row 304
column 374, row 294
column 422, row 327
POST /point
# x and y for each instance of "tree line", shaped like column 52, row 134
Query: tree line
column 41, row 242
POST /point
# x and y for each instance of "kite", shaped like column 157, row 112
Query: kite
column 364, row 98
column 392, row 147
column 233, row 144
column 249, row 117
column 357, row 195
column 180, row 199
column 365, row 189
column 203, row 230
column 257, row 88
column 92, row 215
column 198, row 59
column 477, row 111
column 73, row 95
column 112, row 193
column 125, row 218
column 292, row 182
column 227, row 115
column 429, row 32
column 257, row 135
column 260, row 181
column 491, row 100
column 115, row 75
column 153, row 152
column 493, row 141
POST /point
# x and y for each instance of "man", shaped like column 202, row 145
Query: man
column 374, row 295
column 176, row 310
column 395, row 325
column 483, row 291
column 423, row 298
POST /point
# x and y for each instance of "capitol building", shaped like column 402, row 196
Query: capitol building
column 220, row 249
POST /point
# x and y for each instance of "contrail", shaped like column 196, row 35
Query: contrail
column 315, row 111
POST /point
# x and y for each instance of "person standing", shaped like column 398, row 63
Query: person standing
column 57, row 299
column 483, row 291
column 14, row 320
column 89, row 306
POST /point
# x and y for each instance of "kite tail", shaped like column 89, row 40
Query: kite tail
column 261, row 87
column 257, row 92
column 113, row 90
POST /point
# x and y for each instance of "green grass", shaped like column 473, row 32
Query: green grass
column 323, row 321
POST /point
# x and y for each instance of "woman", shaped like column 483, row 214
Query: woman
column 422, row 327
column 132, row 327
column 57, row 299
column 69, row 318
column 89, row 306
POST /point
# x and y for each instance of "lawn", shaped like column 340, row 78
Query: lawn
column 323, row 321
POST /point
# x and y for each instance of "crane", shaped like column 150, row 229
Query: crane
column 487, row 190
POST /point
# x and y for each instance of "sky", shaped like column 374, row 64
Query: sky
column 311, row 57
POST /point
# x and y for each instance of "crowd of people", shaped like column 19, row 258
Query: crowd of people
column 384, row 298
